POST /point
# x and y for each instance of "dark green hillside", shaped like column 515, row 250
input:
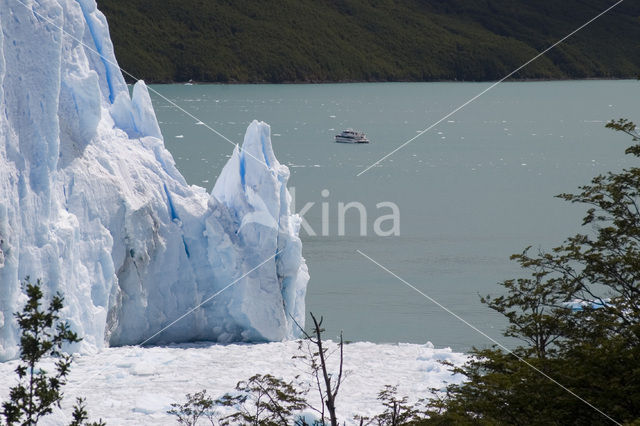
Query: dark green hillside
column 374, row 40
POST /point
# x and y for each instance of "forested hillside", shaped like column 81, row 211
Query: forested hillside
column 370, row 40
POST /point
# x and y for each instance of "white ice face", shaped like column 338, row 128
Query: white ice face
column 92, row 203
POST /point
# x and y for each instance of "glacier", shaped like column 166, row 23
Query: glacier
column 92, row 202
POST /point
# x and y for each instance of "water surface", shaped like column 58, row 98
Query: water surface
column 472, row 191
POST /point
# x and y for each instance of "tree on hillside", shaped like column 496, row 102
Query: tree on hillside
column 578, row 316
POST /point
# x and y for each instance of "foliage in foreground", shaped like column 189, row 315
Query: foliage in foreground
column 268, row 400
column 264, row 400
column 397, row 411
column 43, row 335
column 199, row 405
column 578, row 316
column 260, row 400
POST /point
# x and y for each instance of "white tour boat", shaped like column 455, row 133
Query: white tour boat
column 352, row 136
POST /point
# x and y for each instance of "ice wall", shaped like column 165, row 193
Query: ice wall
column 92, row 203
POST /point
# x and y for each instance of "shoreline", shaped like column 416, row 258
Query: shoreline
column 327, row 82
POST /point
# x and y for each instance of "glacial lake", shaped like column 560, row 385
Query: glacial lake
column 470, row 192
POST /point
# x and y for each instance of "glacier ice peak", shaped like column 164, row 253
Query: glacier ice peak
column 92, row 202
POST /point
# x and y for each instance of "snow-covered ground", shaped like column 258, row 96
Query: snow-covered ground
column 135, row 386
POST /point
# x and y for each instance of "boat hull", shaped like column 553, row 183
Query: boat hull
column 349, row 140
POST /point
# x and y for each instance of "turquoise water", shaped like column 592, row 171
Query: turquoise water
column 472, row 191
